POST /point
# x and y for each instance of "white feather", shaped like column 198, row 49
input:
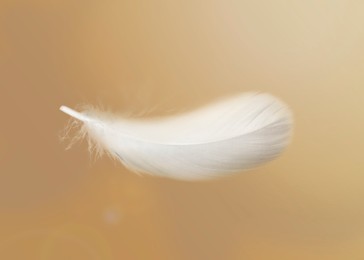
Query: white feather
column 227, row 137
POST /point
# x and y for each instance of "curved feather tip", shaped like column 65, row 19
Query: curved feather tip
column 224, row 138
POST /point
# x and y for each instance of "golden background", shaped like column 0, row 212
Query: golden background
column 175, row 55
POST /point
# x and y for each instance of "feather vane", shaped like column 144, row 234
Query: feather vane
column 220, row 139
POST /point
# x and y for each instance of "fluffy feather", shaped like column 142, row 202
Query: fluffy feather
column 223, row 138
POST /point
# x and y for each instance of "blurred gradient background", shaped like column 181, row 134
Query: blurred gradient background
column 172, row 56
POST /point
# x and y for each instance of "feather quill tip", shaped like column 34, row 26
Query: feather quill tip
column 74, row 114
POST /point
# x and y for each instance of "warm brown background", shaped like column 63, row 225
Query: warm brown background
column 134, row 55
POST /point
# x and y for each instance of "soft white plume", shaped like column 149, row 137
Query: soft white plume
column 223, row 138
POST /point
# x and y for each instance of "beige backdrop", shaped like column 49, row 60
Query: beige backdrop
column 171, row 56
